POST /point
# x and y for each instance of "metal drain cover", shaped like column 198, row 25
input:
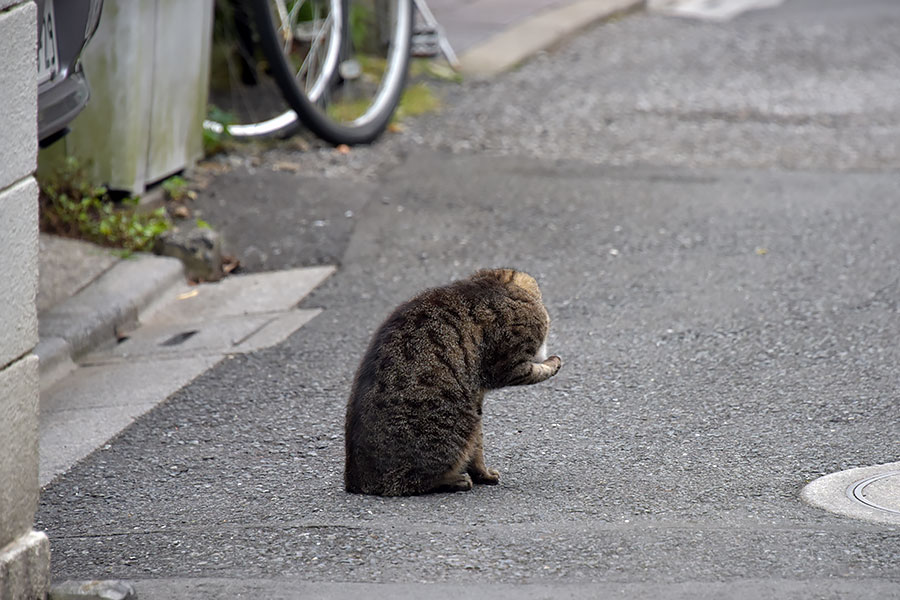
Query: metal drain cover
column 868, row 493
column 879, row 491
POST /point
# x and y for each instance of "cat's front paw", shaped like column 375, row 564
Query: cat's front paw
column 490, row 477
column 555, row 363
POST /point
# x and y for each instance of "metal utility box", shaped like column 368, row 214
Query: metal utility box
column 148, row 69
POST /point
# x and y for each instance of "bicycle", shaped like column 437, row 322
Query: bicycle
column 337, row 67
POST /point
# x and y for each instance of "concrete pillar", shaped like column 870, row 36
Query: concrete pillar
column 24, row 553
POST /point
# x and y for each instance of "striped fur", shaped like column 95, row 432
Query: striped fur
column 413, row 421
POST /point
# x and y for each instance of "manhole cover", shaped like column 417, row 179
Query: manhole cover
column 711, row 10
column 880, row 491
column 868, row 493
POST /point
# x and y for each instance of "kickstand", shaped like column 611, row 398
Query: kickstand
column 429, row 37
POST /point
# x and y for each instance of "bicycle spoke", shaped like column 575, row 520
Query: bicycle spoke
column 285, row 31
column 345, row 90
column 294, row 10
column 244, row 98
column 314, row 49
column 292, row 21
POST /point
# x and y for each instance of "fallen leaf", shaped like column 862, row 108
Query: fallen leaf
column 215, row 166
column 230, row 263
column 761, row 251
column 343, row 149
column 396, row 128
column 283, row 165
column 181, row 212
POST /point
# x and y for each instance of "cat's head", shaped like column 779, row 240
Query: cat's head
column 511, row 277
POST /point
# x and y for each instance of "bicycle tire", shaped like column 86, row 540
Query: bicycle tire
column 284, row 125
column 249, row 99
column 314, row 112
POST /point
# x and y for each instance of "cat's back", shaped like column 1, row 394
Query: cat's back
column 417, row 384
column 419, row 342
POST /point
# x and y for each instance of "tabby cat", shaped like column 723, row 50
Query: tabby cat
column 414, row 415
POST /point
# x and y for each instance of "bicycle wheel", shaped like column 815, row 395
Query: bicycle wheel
column 245, row 98
column 350, row 101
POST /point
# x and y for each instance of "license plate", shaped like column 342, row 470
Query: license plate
column 47, row 58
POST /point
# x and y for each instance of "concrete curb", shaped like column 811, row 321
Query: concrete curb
column 109, row 589
column 540, row 32
column 92, row 316
column 282, row 588
column 25, row 566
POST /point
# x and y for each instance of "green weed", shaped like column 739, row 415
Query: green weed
column 71, row 206
column 214, row 143
column 176, row 188
column 418, row 99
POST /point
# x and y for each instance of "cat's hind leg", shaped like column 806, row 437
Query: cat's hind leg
column 476, row 468
column 457, row 478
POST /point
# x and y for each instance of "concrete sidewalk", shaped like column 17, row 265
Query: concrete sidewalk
column 120, row 335
column 492, row 36
column 87, row 294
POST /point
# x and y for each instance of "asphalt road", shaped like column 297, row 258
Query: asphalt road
column 712, row 211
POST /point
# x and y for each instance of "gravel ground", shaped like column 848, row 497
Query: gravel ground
column 813, row 92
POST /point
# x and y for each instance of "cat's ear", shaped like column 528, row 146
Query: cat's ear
column 527, row 283
column 511, row 277
column 504, row 276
